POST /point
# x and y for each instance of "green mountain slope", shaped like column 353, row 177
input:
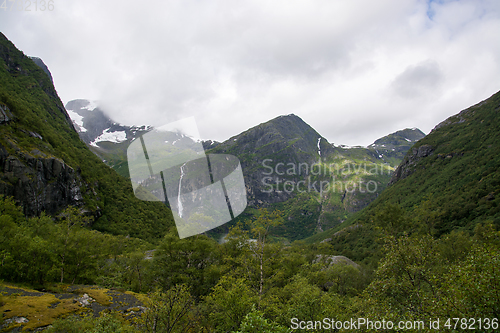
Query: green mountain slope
column 278, row 158
column 289, row 166
column 456, row 167
column 46, row 167
column 450, row 177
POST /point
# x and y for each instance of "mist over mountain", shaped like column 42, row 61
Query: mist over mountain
column 94, row 126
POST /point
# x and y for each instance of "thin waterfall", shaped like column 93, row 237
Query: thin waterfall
column 179, row 201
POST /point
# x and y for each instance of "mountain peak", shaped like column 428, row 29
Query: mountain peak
column 408, row 134
column 281, row 131
column 292, row 126
column 94, row 126
column 393, row 147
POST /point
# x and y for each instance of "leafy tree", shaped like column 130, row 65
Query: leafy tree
column 111, row 323
column 259, row 230
column 8, row 207
column 254, row 255
column 405, row 281
column 170, row 311
column 341, row 278
column 255, row 322
column 307, row 302
column 391, row 220
column 228, row 303
column 427, row 216
column 66, row 237
column 187, row 261
column 471, row 288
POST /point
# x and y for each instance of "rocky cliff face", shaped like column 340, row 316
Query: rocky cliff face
column 407, row 166
column 38, row 182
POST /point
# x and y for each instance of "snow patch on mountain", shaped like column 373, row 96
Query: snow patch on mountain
column 115, row 137
column 77, row 120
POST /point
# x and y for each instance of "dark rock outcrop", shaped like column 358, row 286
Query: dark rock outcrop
column 407, row 166
column 40, row 183
column 5, row 114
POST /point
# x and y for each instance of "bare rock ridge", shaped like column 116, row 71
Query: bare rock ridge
column 407, row 166
column 39, row 62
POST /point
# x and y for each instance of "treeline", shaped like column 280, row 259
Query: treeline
column 251, row 284
column 40, row 250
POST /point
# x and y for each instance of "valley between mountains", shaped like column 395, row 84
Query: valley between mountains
column 286, row 164
column 405, row 230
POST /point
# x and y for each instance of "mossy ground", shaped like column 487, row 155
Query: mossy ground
column 43, row 308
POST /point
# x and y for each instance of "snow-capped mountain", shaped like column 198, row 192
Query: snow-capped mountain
column 95, row 127
column 106, row 138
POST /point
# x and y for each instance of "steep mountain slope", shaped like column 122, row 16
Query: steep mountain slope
column 456, row 166
column 39, row 62
column 451, row 176
column 45, row 166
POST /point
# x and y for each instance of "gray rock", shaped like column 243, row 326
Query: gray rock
column 335, row 260
column 5, row 114
column 40, row 183
column 85, row 300
column 16, row 320
column 407, row 166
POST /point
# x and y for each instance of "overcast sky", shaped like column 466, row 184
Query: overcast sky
column 354, row 70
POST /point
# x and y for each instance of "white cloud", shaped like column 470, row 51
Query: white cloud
column 355, row 70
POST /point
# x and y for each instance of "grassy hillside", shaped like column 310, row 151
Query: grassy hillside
column 449, row 179
column 39, row 129
column 459, row 177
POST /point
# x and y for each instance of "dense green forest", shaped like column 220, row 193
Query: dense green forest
column 251, row 284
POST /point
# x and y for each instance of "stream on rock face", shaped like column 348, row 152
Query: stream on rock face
column 179, row 201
